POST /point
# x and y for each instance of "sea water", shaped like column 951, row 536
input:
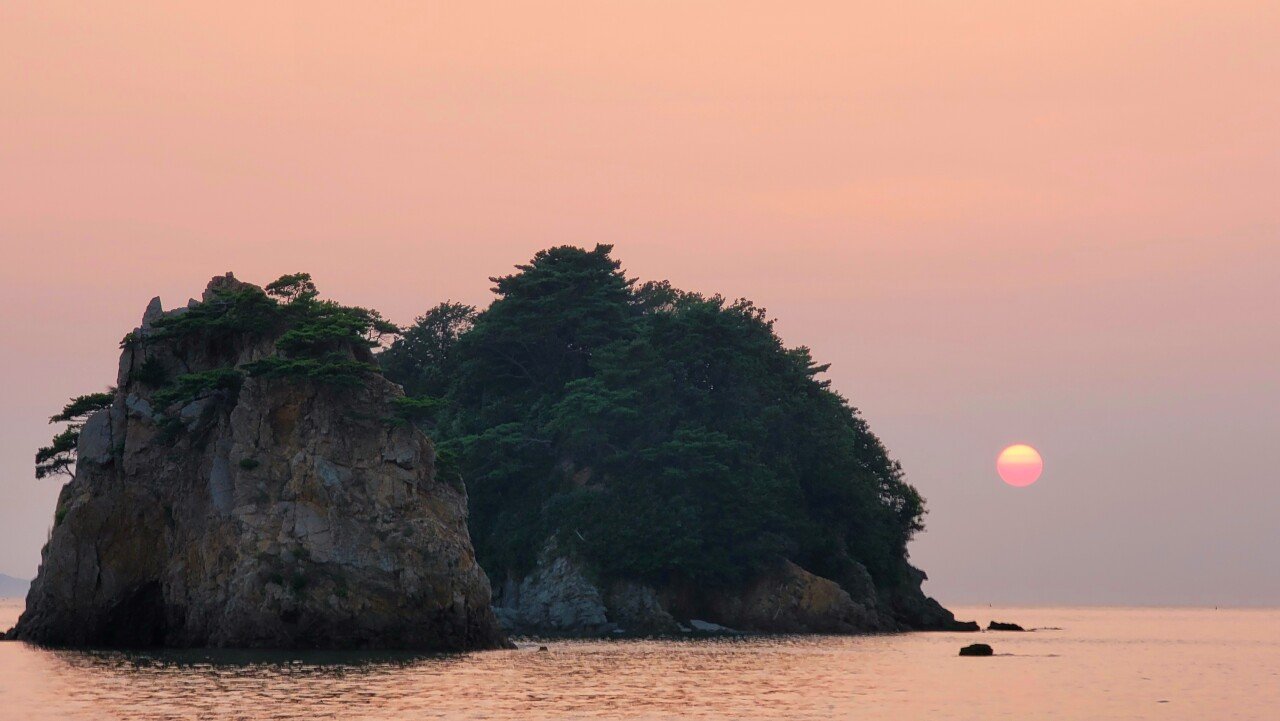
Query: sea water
column 1079, row 663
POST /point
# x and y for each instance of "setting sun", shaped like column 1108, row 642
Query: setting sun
column 1019, row 465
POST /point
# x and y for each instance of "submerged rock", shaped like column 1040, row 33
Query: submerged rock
column 977, row 649
column 288, row 513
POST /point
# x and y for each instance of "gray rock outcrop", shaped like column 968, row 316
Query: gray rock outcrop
column 555, row 599
column 559, row 598
column 286, row 513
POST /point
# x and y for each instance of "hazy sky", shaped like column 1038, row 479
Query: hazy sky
column 1000, row 222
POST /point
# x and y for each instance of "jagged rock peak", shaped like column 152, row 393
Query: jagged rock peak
column 154, row 312
column 224, row 283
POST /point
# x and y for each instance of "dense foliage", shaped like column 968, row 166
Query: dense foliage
column 423, row 356
column 315, row 340
column 667, row 435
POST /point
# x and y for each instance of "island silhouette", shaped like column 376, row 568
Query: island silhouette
column 272, row 469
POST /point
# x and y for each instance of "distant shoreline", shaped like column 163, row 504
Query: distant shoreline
column 11, row 587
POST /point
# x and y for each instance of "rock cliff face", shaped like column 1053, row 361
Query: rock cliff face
column 286, row 512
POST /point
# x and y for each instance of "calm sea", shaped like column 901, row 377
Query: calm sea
column 1084, row 663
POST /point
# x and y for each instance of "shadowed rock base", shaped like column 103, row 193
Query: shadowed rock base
column 561, row 598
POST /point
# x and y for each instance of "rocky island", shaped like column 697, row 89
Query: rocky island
column 248, row 483
column 637, row 460
column 640, row 457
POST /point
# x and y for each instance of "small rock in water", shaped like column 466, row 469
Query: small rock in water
column 977, row 649
column 542, row 648
column 998, row 626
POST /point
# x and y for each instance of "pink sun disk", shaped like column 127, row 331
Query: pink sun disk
column 1019, row 465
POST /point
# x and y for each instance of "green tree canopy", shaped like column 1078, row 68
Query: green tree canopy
column 667, row 435
column 315, row 340
column 59, row 457
column 424, row 358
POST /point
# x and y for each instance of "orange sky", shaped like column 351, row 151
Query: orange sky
column 1000, row 221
